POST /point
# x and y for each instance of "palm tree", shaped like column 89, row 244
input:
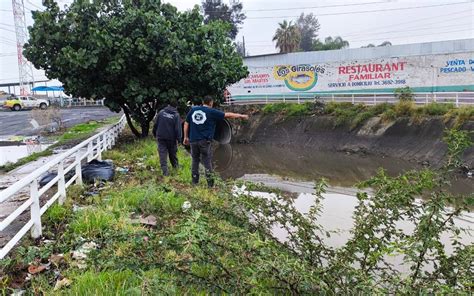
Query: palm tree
column 287, row 37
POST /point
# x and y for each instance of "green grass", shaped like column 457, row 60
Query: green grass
column 288, row 109
column 76, row 133
column 211, row 248
column 356, row 115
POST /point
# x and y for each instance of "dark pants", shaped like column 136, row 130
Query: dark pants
column 201, row 152
column 167, row 148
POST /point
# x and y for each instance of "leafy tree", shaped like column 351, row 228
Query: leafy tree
column 287, row 37
column 385, row 43
column 309, row 27
column 330, row 43
column 135, row 54
column 232, row 14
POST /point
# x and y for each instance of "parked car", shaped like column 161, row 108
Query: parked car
column 23, row 102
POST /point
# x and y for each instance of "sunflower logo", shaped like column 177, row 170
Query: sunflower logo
column 297, row 78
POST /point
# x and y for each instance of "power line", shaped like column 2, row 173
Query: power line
column 398, row 37
column 7, row 30
column 414, row 30
column 34, row 5
column 387, row 32
column 367, row 11
column 414, row 21
column 8, row 25
column 313, row 7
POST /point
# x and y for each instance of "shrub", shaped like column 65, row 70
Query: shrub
column 361, row 118
column 436, row 109
column 290, row 109
column 404, row 108
column 389, row 115
column 404, row 93
column 381, row 108
column 460, row 115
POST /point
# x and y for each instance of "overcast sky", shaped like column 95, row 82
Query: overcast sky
column 360, row 22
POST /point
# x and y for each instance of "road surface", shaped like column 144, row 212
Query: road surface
column 18, row 123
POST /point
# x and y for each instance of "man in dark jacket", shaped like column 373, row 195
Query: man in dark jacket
column 167, row 130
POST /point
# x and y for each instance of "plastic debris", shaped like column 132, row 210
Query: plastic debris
column 65, row 282
column 122, row 170
column 81, row 254
column 18, row 292
column 98, row 170
column 186, row 206
column 148, row 220
column 56, row 259
column 33, row 269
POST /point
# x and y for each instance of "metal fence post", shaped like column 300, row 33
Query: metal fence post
column 457, row 99
column 298, row 98
column 35, row 210
column 332, row 97
column 266, row 99
column 61, row 183
column 78, row 168
column 353, row 101
column 426, row 99
column 284, row 98
column 434, row 97
column 375, row 99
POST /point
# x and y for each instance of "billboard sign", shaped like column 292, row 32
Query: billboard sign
column 443, row 72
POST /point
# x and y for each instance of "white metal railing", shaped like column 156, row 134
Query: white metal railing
column 95, row 145
column 455, row 98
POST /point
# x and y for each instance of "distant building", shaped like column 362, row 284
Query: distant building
column 446, row 66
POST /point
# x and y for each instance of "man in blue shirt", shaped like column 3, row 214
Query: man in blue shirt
column 199, row 129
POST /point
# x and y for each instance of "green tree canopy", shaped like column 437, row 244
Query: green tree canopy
column 232, row 14
column 330, row 43
column 309, row 27
column 385, row 43
column 287, row 37
column 137, row 54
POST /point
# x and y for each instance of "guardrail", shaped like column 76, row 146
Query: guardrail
column 455, row 98
column 94, row 146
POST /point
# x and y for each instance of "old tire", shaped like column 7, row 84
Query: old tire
column 43, row 106
column 16, row 107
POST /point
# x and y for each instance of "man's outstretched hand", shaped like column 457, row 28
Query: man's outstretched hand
column 244, row 117
column 186, row 141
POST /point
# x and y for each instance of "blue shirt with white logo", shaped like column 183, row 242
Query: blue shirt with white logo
column 202, row 123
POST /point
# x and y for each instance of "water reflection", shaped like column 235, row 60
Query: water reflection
column 340, row 169
column 338, row 207
column 13, row 153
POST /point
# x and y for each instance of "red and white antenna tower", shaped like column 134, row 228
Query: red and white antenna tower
column 25, row 68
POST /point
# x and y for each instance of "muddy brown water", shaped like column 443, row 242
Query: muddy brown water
column 340, row 169
column 295, row 170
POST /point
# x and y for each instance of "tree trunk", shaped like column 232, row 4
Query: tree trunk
column 145, row 125
column 130, row 123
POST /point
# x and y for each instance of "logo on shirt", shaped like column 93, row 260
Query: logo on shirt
column 168, row 115
column 199, row 117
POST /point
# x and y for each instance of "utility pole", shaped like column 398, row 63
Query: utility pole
column 25, row 68
column 243, row 45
